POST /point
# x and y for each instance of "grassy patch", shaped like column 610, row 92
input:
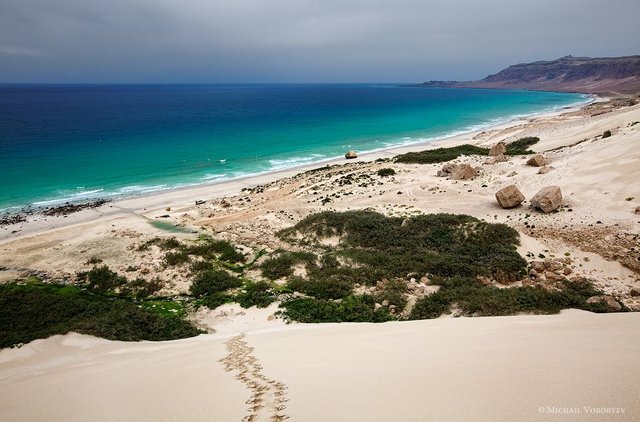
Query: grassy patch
column 258, row 294
column 386, row 172
column 165, row 308
column 29, row 312
column 440, row 155
column 441, row 244
column 356, row 308
column 282, row 264
column 473, row 299
column 521, row 146
column 213, row 281
column 102, row 279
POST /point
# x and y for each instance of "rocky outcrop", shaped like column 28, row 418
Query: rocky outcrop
column 500, row 158
column 498, row 149
column 458, row 171
column 550, row 270
column 547, row 199
column 607, row 300
column 509, row 197
column 350, row 155
column 537, row 160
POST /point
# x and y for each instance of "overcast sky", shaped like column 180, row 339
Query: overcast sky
column 161, row 41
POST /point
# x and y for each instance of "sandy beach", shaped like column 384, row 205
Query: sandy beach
column 572, row 366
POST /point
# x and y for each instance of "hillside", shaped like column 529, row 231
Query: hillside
column 614, row 75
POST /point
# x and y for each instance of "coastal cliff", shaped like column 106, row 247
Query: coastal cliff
column 610, row 75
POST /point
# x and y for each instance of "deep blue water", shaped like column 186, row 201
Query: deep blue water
column 61, row 143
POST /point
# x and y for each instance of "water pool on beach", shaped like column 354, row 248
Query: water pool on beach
column 82, row 142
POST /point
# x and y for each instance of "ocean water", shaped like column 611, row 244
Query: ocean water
column 74, row 143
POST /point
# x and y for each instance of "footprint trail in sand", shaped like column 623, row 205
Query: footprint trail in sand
column 268, row 398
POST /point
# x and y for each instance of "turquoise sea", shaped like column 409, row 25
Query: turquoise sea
column 82, row 142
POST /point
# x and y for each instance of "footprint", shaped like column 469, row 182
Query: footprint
column 268, row 398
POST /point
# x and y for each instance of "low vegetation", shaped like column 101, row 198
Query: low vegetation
column 440, row 155
column 385, row 172
column 522, row 145
column 470, row 298
column 354, row 266
column 29, row 312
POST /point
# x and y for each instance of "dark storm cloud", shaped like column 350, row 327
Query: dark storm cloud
column 300, row 40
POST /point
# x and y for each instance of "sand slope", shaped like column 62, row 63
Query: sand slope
column 468, row 369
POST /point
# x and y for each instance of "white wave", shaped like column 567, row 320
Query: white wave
column 140, row 189
column 210, row 176
column 66, row 196
column 294, row 161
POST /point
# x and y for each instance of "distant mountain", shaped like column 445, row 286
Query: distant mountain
column 608, row 75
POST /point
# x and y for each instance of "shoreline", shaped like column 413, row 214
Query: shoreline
column 253, row 179
column 384, row 152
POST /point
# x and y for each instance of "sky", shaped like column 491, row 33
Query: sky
column 316, row 41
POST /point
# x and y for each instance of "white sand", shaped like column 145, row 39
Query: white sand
column 493, row 369
column 466, row 369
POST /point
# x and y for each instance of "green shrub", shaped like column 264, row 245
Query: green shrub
column 142, row 288
column 440, row 155
column 351, row 309
column 209, row 248
column 330, row 288
column 31, row 312
column 257, row 294
column 393, row 292
column 213, row 281
column 172, row 259
column 212, row 301
column 102, row 279
column 282, row 265
column 474, row 299
column 162, row 243
column 521, row 146
column 386, row 172
column 441, row 244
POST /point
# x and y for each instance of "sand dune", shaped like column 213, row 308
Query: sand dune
column 524, row 368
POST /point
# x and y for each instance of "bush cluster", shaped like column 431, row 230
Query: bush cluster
column 473, row 299
column 440, row 155
column 386, row 172
column 31, row 312
column 354, row 308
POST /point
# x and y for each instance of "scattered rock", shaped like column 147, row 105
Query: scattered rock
column 538, row 266
column 634, row 292
column 545, row 169
column 513, row 173
column 509, row 197
column 458, row 171
column 350, row 155
column 200, row 202
column 552, row 276
column 498, row 149
column 547, row 199
column 608, row 300
column 496, row 159
column 638, row 209
column 537, row 161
